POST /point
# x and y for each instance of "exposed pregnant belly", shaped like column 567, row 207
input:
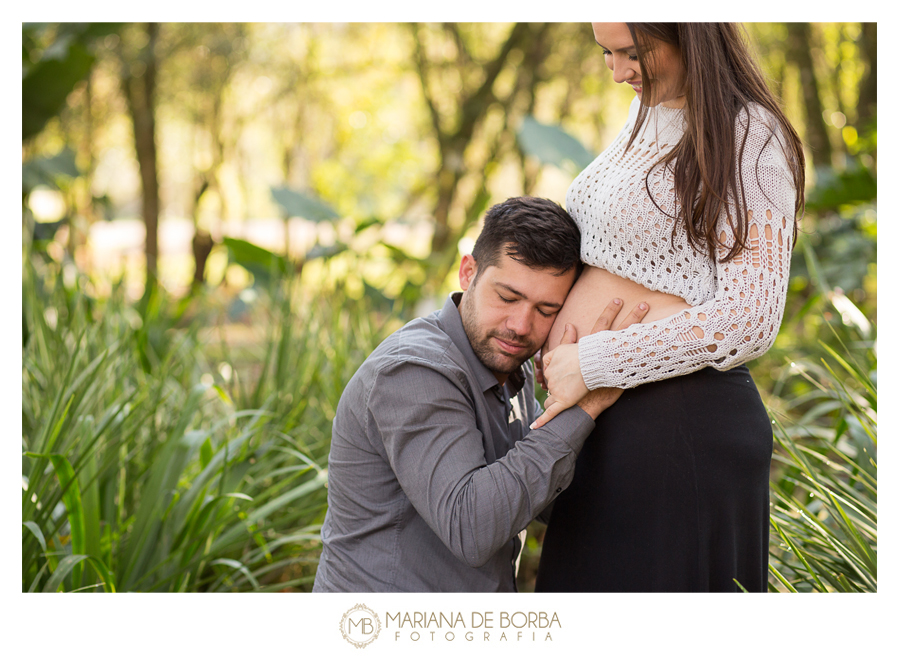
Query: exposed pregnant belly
column 594, row 289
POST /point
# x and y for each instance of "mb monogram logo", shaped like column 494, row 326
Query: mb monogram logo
column 360, row 626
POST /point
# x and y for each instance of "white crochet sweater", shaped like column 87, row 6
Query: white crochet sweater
column 737, row 306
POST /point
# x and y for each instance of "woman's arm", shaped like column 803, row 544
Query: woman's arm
column 738, row 324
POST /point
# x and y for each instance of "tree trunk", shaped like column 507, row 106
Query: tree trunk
column 202, row 242
column 139, row 84
column 798, row 52
column 867, row 89
column 452, row 144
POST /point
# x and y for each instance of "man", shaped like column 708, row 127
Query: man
column 433, row 473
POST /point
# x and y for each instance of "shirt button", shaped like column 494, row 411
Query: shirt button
column 558, row 489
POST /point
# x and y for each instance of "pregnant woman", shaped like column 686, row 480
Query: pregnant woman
column 692, row 209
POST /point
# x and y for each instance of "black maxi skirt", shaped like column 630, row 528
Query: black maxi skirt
column 670, row 493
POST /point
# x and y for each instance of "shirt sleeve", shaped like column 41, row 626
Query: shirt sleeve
column 544, row 515
column 742, row 320
column 425, row 418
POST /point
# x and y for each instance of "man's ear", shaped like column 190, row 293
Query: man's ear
column 467, row 271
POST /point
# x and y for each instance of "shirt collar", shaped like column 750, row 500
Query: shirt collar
column 452, row 322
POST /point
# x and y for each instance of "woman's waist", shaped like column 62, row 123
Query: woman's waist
column 595, row 288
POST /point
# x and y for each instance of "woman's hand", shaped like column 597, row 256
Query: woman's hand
column 561, row 368
column 562, row 374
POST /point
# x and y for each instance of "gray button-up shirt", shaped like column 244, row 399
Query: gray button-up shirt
column 433, row 472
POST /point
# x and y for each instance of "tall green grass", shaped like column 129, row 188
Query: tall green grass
column 144, row 469
column 824, row 406
column 824, row 491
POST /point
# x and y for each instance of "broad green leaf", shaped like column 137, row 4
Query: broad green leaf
column 46, row 85
column 263, row 264
column 366, row 223
column 299, row 204
column 326, row 252
column 834, row 188
column 49, row 171
column 553, row 145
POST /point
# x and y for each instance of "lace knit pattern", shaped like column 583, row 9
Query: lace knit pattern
column 737, row 306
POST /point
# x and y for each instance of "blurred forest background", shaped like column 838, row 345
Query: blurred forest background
column 220, row 221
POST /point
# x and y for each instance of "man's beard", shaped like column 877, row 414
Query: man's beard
column 486, row 350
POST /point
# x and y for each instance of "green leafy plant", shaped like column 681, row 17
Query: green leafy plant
column 55, row 57
column 144, row 469
column 824, row 493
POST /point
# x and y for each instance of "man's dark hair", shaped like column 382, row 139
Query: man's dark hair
column 535, row 232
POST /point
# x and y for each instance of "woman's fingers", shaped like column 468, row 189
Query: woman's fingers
column 613, row 310
column 605, row 321
column 549, row 413
column 637, row 314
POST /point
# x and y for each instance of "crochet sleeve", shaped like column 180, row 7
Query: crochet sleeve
column 741, row 322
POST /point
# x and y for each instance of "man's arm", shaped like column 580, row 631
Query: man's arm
column 425, row 417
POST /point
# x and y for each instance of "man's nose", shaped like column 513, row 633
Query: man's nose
column 519, row 322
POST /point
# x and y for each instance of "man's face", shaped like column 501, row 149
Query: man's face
column 508, row 312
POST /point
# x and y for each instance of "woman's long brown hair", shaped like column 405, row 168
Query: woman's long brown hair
column 721, row 79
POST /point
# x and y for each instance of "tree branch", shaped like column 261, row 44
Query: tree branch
column 421, row 69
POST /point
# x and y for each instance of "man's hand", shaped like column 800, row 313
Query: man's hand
column 562, row 370
column 595, row 402
column 539, row 369
column 599, row 400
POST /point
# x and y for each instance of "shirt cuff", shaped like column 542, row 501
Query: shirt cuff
column 571, row 426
